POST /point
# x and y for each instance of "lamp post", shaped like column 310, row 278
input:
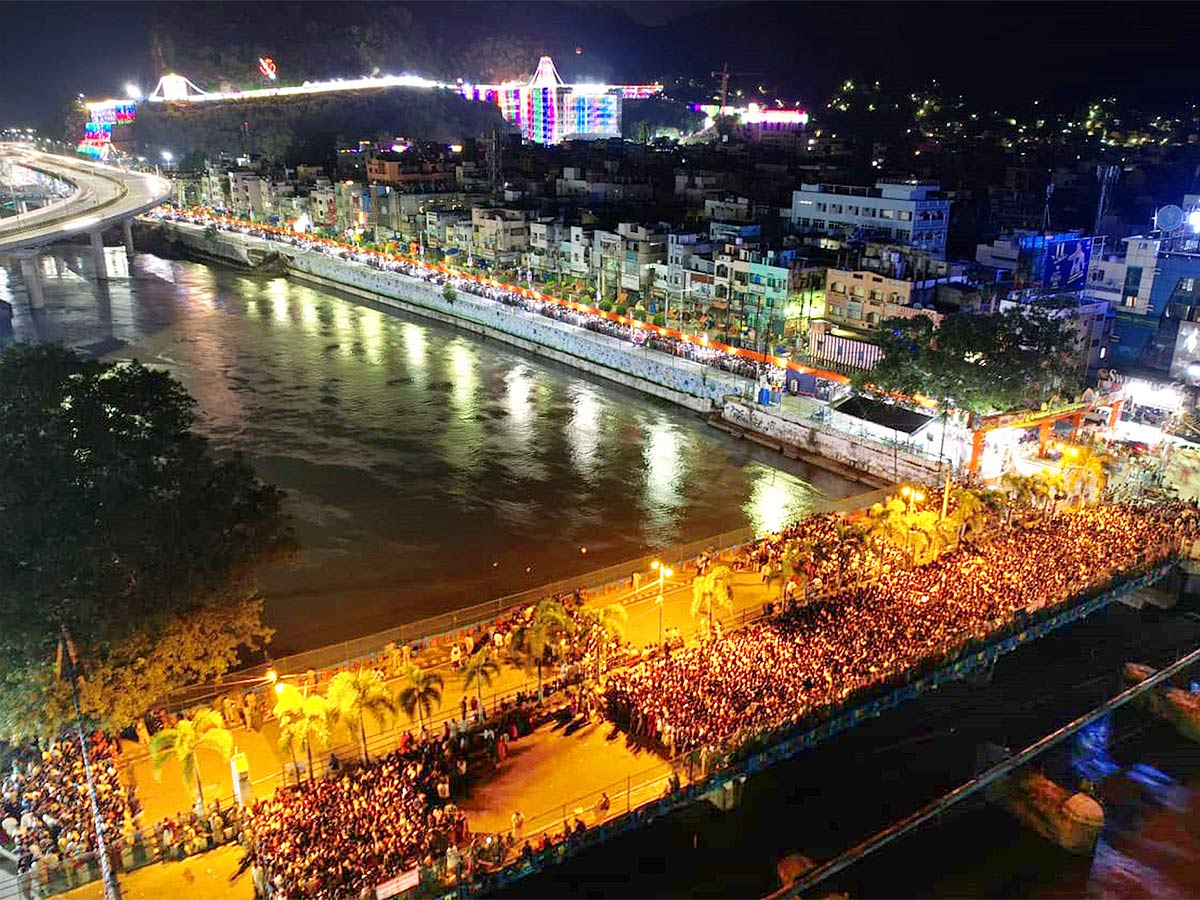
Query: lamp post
column 663, row 574
column 112, row 890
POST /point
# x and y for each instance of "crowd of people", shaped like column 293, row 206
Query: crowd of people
column 811, row 658
column 343, row 834
column 47, row 816
column 702, row 354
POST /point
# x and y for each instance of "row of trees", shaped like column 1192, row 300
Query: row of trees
column 309, row 722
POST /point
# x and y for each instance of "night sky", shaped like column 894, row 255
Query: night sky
column 996, row 53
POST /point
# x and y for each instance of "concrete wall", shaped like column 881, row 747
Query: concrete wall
column 851, row 451
column 680, row 381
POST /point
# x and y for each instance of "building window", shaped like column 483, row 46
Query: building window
column 887, row 214
column 905, row 215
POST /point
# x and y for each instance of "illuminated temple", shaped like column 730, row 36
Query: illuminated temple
column 547, row 110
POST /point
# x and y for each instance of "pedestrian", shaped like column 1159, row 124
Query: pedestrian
column 602, row 806
column 518, row 825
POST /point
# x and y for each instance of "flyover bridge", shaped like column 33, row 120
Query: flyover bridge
column 101, row 197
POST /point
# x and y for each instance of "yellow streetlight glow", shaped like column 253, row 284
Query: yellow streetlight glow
column 655, row 565
column 668, row 572
column 279, row 688
column 272, row 676
column 906, row 491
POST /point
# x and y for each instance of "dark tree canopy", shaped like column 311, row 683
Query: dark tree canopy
column 118, row 521
column 1017, row 359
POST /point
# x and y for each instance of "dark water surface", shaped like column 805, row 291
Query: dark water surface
column 426, row 468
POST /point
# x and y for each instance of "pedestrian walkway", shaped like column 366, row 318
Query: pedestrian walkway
column 167, row 796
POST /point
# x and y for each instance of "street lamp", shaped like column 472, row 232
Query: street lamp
column 663, row 574
column 112, row 891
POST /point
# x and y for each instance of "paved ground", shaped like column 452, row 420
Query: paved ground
column 200, row 877
column 167, row 796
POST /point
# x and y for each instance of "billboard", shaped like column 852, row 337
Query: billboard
column 1053, row 262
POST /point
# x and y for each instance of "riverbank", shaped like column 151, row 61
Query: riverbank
column 725, row 398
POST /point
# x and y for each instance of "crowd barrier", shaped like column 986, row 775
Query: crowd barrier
column 755, row 753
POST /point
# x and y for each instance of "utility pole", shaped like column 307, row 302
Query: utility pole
column 112, row 890
column 1107, row 176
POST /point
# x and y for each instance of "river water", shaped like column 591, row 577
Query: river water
column 426, row 468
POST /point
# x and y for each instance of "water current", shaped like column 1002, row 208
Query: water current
column 426, row 468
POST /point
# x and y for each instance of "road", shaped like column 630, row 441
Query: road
column 103, row 196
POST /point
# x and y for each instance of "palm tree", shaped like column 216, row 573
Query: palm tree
column 205, row 729
column 420, row 692
column 352, row 695
column 303, row 721
column 480, row 669
column 550, row 622
column 603, row 625
column 713, row 589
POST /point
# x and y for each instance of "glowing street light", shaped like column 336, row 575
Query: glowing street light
column 133, row 92
column 664, row 572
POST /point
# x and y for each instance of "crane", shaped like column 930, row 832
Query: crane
column 724, row 76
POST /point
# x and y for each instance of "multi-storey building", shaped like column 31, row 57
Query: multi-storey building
column 499, row 234
column 913, row 212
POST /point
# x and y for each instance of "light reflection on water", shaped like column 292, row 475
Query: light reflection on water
column 416, row 456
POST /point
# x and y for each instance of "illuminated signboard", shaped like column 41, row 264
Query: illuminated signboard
column 1053, row 262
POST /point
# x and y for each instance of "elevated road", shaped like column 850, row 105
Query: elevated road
column 101, row 197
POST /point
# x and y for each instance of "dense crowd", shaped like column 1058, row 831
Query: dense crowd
column 341, row 835
column 47, row 816
column 648, row 338
column 779, row 672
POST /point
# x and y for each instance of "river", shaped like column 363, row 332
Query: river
column 426, row 468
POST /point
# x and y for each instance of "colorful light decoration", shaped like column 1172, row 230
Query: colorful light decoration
column 547, row 110
column 753, row 114
column 267, row 67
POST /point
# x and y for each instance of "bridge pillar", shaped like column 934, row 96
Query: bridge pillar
column 33, row 281
column 98, row 252
column 127, row 233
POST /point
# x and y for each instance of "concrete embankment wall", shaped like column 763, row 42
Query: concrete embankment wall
column 679, row 381
column 852, row 453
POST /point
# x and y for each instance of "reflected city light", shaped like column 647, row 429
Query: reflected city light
column 464, row 379
column 518, row 398
column 584, row 441
column 664, row 473
column 277, row 293
column 308, row 312
column 416, row 351
column 371, row 323
column 776, row 499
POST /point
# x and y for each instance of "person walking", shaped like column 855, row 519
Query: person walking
column 518, row 825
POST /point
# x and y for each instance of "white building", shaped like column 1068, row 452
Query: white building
column 250, row 195
column 914, row 212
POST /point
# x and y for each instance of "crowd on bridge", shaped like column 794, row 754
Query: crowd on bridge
column 47, row 817
column 341, row 835
column 808, row 660
column 512, row 297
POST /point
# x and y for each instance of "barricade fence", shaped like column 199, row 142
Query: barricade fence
column 447, row 625
column 700, row 772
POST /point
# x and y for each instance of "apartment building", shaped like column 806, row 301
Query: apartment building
column 912, row 212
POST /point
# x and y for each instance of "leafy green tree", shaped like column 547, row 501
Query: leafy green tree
column 1020, row 358
column 356, row 694
column 203, row 730
column 711, row 592
column 421, row 692
column 118, row 521
column 479, row 671
column 304, row 722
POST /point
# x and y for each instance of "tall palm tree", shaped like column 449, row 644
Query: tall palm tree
column 303, row 722
column 550, row 623
column 603, row 625
column 711, row 591
column 205, row 729
column 421, row 691
column 352, row 695
column 479, row 671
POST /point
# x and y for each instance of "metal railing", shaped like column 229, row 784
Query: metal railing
column 369, row 647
